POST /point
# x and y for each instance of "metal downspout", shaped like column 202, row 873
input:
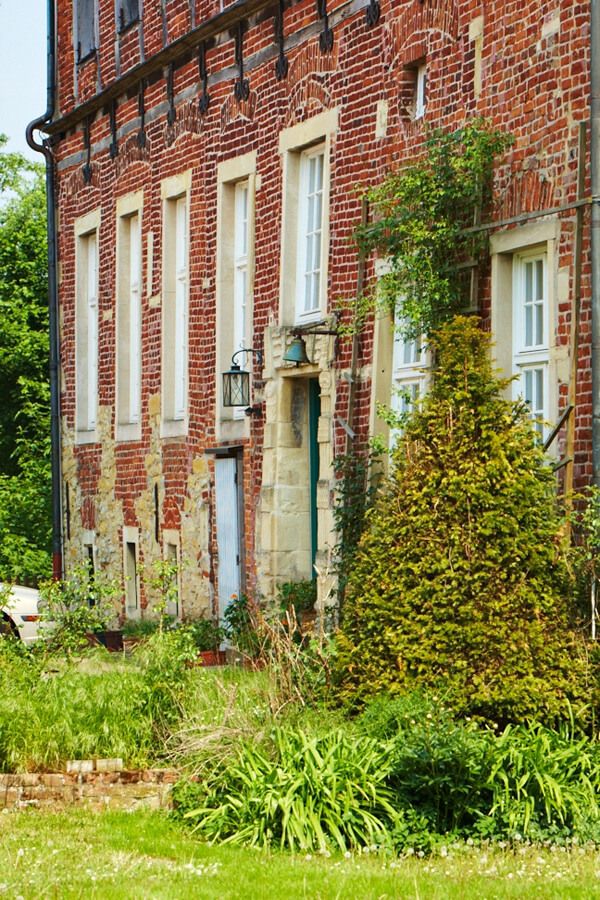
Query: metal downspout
column 595, row 236
column 55, row 453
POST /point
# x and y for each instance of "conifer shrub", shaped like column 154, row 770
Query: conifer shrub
column 460, row 582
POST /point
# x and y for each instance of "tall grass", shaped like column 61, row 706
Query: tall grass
column 53, row 709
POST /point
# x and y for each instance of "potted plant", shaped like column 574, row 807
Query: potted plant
column 208, row 637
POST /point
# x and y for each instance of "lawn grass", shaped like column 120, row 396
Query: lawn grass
column 77, row 853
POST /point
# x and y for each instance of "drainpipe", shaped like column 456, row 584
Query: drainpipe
column 43, row 147
column 595, row 237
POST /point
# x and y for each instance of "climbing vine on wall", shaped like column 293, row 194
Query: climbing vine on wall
column 421, row 223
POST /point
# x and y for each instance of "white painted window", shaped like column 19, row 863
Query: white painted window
column 421, row 91
column 180, row 312
column 240, row 279
column 87, row 332
column 240, row 266
column 531, row 335
column 129, row 320
column 175, row 310
column 408, row 377
column 310, row 233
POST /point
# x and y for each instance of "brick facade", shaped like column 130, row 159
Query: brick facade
column 523, row 66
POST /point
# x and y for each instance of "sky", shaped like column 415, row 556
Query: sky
column 22, row 69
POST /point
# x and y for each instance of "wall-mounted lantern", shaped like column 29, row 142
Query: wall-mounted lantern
column 236, row 382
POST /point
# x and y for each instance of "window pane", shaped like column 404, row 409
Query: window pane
column 539, row 281
column 528, row 326
column 86, row 27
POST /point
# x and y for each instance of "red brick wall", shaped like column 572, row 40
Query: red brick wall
column 535, row 87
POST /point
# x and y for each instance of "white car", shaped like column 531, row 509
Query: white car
column 19, row 613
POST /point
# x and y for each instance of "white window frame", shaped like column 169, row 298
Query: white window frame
column 237, row 183
column 129, row 317
column 310, row 202
column 175, row 304
column 298, row 145
column 131, row 581
column 510, row 249
column 408, row 376
column 241, row 246
column 87, row 232
column 531, row 356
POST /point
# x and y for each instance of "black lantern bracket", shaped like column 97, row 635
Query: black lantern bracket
column 242, row 85
column 204, row 101
column 236, row 383
column 282, row 65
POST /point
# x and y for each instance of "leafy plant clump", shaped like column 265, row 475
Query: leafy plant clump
column 460, row 582
column 308, row 794
column 421, row 221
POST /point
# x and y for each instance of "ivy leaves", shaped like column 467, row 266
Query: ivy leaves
column 421, row 214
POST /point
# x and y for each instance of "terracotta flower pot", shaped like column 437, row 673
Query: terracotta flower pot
column 213, row 657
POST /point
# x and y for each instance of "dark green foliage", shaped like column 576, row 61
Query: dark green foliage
column 438, row 766
column 421, row 214
column 239, row 624
column 205, row 633
column 356, row 484
column 25, row 516
column 543, row 784
column 460, row 582
column 300, row 596
column 454, row 777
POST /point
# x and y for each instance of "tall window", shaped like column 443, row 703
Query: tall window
column 129, row 321
column 86, row 350
column 530, row 344
column 310, row 233
column 240, row 265
column 175, row 310
column 408, row 377
column 85, row 17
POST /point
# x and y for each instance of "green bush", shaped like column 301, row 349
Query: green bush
column 460, row 582
column 438, row 766
column 308, row 793
column 543, row 783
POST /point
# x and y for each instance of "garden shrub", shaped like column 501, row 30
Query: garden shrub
column 460, row 582
column 438, row 766
column 544, row 783
column 303, row 793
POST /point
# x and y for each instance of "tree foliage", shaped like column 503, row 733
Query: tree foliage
column 460, row 582
column 25, row 516
column 420, row 216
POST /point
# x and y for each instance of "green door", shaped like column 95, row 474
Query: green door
column 314, row 411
